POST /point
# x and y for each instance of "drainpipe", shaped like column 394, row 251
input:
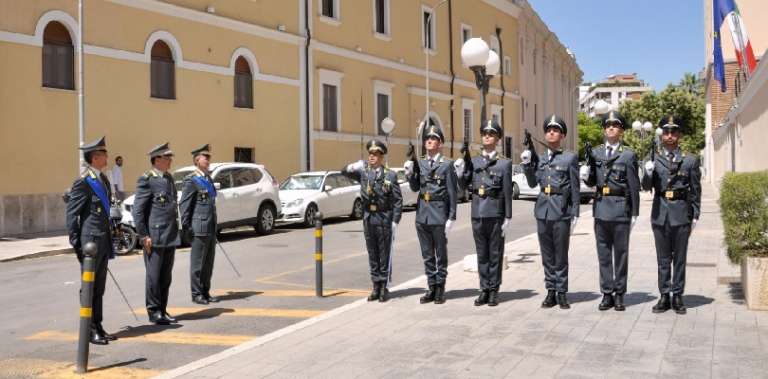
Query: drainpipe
column 450, row 62
column 307, row 105
column 503, row 90
column 80, row 89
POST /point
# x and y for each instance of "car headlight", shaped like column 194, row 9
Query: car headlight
column 294, row 203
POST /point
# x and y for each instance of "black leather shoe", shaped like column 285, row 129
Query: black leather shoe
column 440, row 294
column 493, row 298
column 168, row 318
column 374, row 292
column 212, row 299
column 549, row 301
column 663, row 304
column 677, row 304
column 619, row 303
column 383, row 294
column 607, row 302
column 563, row 300
column 97, row 338
column 104, row 333
column 429, row 296
column 157, row 318
column 200, row 299
column 482, row 299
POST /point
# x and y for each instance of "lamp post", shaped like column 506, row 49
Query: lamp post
column 484, row 63
column 601, row 107
column 642, row 129
column 387, row 126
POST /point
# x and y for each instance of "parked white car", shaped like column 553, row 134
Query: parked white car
column 410, row 198
column 521, row 187
column 247, row 195
column 305, row 194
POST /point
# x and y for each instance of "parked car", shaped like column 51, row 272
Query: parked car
column 520, row 185
column 305, row 194
column 247, row 194
column 587, row 192
column 410, row 198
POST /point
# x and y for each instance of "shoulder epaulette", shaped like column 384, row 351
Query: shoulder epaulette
column 150, row 173
column 88, row 172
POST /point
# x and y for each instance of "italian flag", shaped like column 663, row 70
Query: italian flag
column 740, row 38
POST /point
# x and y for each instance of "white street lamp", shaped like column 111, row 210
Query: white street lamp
column 637, row 125
column 647, row 126
column 484, row 63
column 602, row 107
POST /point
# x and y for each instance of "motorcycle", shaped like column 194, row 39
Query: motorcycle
column 124, row 238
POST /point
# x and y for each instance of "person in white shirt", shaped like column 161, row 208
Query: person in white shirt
column 116, row 178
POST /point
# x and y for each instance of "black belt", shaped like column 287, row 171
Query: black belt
column 376, row 208
column 680, row 194
column 427, row 196
column 549, row 190
column 611, row 191
column 492, row 193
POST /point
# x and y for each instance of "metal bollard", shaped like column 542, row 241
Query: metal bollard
column 86, row 299
column 319, row 255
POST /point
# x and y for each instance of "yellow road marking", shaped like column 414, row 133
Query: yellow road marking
column 166, row 336
column 292, row 293
column 189, row 312
column 43, row 368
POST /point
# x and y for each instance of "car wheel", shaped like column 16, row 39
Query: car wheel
column 310, row 215
column 265, row 222
column 515, row 191
column 357, row 209
column 126, row 240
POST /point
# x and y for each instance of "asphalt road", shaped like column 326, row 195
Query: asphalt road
column 40, row 297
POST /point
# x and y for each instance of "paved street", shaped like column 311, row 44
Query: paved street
column 40, row 318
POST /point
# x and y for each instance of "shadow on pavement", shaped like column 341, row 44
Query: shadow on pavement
column 406, row 292
column 241, row 234
column 204, row 314
column 694, row 301
column 583, row 296
column 517, row 295
column 118, row 364
column 635, row 298
column 736, row 292
column 143, row 330
column 238, row 295
column 458, row 294
column 524, row 258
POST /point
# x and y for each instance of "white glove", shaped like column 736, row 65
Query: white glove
column 458, row 165
column 394, row 227
column 525, row 157
column 505, row 226
column 632, row 223
column 574, row 221
column 693, row 224
column 448, row 225
column 584, row 172
column 649, row 167
column 408, row 166
column 357, row 166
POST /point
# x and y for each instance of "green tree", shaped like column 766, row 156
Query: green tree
column 589, row 131
column 691, row 84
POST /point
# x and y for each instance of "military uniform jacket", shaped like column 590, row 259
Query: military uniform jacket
column 617, row 184
column 491, row 184
column 86, row 215
column 380, row 194
column 198, row 205
column 437, row 187
column 155, row 210
column 676, row 189
column 560, row 177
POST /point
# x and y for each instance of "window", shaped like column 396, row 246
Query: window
column 328, row 8
column 466, row 33
column 467, row 119
column 244, row 154
column 224, row 178
column 58, row 57
column 507, row 66
column 162, row 72
column 382, row 97
column 381, row 16
column 243, row 84
column 382, row 110
column 494, row 44
column 332, row 180
column 428, row 28
column 330, row 99
column 243, row 177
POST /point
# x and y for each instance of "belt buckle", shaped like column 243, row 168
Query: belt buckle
column 372, row 208
column 669, row 195
column 548, row 189
column 426, row 196
column 481, row 191
column 606, row 190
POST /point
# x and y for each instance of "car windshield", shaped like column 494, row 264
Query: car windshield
column 178, row 178
column 302, row 182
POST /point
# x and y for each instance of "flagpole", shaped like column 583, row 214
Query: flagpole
column 80, row 89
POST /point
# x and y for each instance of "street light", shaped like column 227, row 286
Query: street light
column 601, row 107
column 387, row 126
column 484, row 63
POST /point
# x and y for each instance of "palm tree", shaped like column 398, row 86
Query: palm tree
column 691, row 84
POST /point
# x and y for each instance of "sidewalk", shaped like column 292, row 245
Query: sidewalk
column 15, row 248
column 718, row 337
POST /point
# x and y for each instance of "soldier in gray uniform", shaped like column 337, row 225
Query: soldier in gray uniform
column 613, row 170
column 155, row 214
column 489, row 178
column 198, row 221
column 556, row 172
column 675, row 179
column 382, row 210
column 88, row 207
column 434, row 178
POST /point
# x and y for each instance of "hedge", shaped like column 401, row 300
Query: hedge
column 744, row 210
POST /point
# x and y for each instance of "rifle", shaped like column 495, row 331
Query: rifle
column 467, row 159
column 528, row 142
column 411, row 154
column 588, row 157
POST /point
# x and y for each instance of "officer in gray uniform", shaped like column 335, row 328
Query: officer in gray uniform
column 87, row 212
column 198, row 221
column 155, row 213
column 489, row 178
column 556, row 172
column 613, row 170
column 434, row 178
column 382, row 210
column 675, row 179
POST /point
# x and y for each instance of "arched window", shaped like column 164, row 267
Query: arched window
column 58, row 57
column 243, row 84
column 163, row 72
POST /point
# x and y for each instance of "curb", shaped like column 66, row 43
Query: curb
column 39, row 254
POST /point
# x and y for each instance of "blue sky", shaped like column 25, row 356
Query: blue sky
column 660, row 40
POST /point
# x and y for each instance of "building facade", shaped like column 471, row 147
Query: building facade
column 294, row 85
column 614, row 90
